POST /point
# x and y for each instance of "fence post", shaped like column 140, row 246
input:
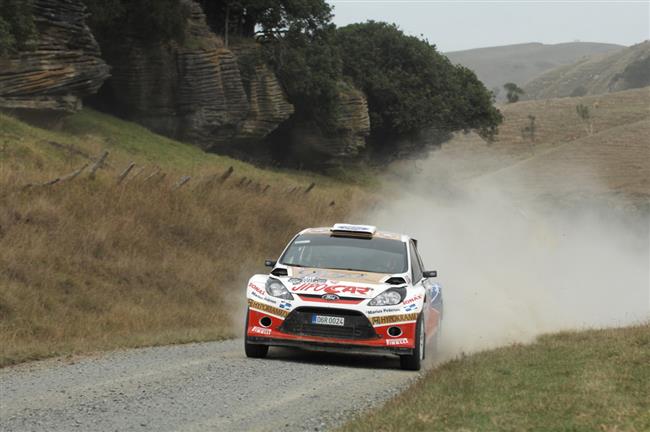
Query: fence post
column 181, row 182
column 227, row 174
column 98, row 163
column 125, row 173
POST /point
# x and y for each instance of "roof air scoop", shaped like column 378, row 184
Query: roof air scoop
column 348, row 230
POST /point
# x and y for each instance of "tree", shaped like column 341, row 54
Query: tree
column 410, row 86
column 269, row 19
column 17, row 26
column 149, row 20
column 637, row 73
column 585, row 116
column 513, row 92
column 309, row 69
column 528, row 131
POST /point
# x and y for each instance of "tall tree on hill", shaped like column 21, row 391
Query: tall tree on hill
column 513, row 92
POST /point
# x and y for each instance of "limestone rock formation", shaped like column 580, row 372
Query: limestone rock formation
column 197, row 91
column 64, row 66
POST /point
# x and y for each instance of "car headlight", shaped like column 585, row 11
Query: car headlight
column 390, row 297
column 276, row 288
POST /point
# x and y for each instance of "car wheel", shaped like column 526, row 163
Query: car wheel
column 414, row 361
column 253, row 350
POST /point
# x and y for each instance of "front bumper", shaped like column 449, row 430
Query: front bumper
column 291, row 329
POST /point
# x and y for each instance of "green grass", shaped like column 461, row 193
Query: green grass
column 597, row 380
column 29, row 149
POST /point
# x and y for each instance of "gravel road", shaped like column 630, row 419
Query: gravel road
column 196, row 387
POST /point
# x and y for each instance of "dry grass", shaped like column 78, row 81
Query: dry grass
column 91, row 265
column 616, row 147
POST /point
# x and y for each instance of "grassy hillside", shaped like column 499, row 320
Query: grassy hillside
column 520, row 63
column 92, row 264
column 609, row 150
column 589, row 76
column 615, row 160
column 597, row 380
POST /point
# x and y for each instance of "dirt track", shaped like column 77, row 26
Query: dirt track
column 197, row 387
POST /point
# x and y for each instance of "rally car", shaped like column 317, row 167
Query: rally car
column 348, row 287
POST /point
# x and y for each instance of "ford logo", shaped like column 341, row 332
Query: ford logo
column 330, row 297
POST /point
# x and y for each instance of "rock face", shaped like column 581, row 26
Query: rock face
column 64, row 67
column 351, row 127
column 197, row 91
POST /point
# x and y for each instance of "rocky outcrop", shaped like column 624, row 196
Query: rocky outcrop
column 197, row 91
column 64, row 66
column 348, row 137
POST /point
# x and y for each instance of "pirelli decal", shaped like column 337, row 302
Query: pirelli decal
column 380, row 320
column 266, row 308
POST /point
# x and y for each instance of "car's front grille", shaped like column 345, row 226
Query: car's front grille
column 356, row 325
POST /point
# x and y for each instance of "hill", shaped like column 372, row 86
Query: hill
column 592, row 380
column 597, row 74
column 94, row 264
column 520, row 63
column 610, row 150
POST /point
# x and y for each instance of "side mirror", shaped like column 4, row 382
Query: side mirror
column 269, row 263
column 430, row 274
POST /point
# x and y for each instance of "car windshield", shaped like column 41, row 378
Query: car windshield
column 376, row 255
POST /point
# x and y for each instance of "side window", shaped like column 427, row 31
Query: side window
column 416, row 269
column 422, row 267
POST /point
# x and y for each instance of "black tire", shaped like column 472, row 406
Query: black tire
column 414, row 361
column 253, row 350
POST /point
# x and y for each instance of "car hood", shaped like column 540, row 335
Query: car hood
column 344, row 283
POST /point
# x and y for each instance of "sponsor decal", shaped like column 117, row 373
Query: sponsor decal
column 413, row 299
column 410, row 307
column 285, row 305
column 266, row 308
column 256, row 289
column 393, row 318
column 265, row 298
column 383, row 310
column 329, row 274
column 399, row 341
column 331, row 289
column 261, row 330
column 313, row 279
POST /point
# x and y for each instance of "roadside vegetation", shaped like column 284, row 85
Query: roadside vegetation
column 596, row 380
column 93, row 265
column 409, row 85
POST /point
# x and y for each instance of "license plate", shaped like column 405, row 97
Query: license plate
column 327, row 320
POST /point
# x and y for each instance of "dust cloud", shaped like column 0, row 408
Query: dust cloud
column 514, row 266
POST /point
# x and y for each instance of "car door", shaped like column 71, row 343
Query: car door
column 433, row 302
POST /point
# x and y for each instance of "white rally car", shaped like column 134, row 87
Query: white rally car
column 348, row 287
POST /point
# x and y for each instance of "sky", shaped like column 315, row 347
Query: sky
column 460, row 25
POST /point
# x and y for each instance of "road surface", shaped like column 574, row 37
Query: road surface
column 196, row 387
